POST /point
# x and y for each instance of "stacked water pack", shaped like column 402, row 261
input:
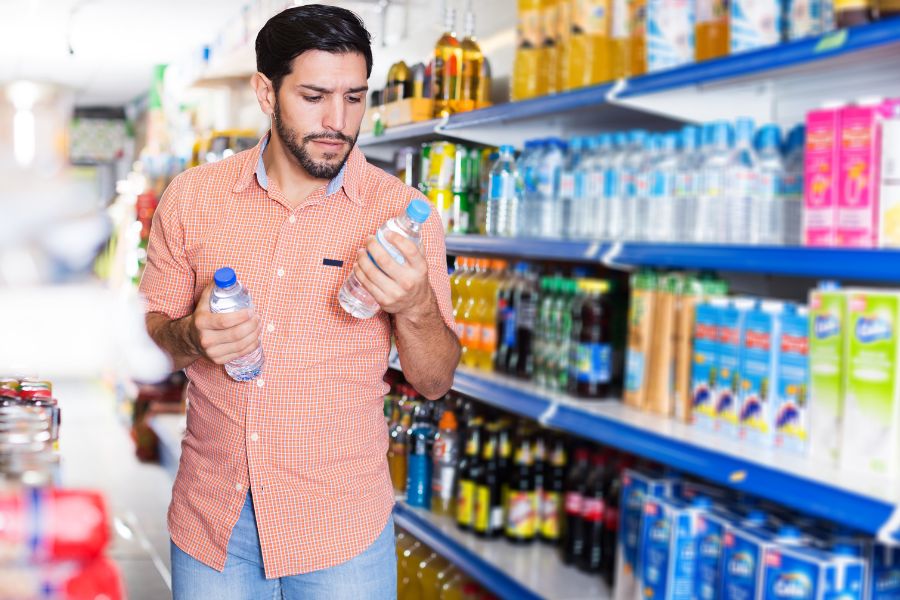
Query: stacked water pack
column 681, row 540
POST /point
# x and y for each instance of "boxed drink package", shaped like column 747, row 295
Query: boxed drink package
column 755, row 24
column 712, row 528
column 742, row 554
column 889, row 176
column 670, row 34
column 792, row 398
column 636, row 488
column 759, row 374
column 884, row 572
column 705, row 363
column 822, row 171
column 792, row 569
column 669, row 534
column 640, row 335
column 730, row 335
column 660, row 397
column 827, row 328
column 870, row 440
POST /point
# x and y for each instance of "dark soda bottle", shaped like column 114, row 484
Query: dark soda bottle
column 552, row 495
column 506, row 323
column 592, row 513
column 469, row 471
column 611, row 515
column 522, row 359
column 576, row 486
column 593, row 346
column 522, row 507
column 504, row 461
column 488, row 507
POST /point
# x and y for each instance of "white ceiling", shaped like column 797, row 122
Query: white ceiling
column 115, row 43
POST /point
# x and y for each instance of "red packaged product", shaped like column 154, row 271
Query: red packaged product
column 96, row 580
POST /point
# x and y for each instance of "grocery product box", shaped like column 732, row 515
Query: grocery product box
column 871, row 426
column 670, row 34
column 759, row 374
column 712, row 528
column 795, row 570
column 827, row 331
column 821, row 176
column 669, row 534
column 641, row 309
column 730, row 338
column 660, row 395
column 705, row 364
column 792, row 391
column 755, row 24
column 889, row 176
column 884, row 572
column 742, row 553
column 408, row 110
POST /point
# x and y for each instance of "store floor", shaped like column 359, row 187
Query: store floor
column 97, row 453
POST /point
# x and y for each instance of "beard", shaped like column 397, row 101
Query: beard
column 331, row 163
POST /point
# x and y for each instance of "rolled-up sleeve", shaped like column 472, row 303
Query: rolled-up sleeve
column 168, row 280
column 436, row 256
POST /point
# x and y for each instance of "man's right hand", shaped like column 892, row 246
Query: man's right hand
column 223, row 337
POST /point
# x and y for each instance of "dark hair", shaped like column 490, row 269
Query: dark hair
column 292, row 32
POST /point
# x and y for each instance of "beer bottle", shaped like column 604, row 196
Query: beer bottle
column 552, row 494
column 521, row 511
column 488, row 509
column 504, row 461
column 576, row 486
column 592, row 513
column 469, row 469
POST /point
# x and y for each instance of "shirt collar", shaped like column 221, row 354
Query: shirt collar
column 347, row 178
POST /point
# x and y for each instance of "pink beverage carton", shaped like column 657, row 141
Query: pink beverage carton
column 821, row 170
column 857, row 215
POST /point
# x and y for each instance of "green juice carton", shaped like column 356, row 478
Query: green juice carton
column 871, row 427
column 827, row 333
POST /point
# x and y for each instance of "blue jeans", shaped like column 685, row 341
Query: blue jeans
column 371, row 575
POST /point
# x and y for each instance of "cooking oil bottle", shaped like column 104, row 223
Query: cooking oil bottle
column 549, row 58
column 638, row 26
column 620, row 42
column 529, row 79
column 466, row 268
column 472, row 64
column 711, row 29
column 446, row 67
column 563, row 43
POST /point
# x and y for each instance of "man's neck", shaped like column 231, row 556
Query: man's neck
column 292, row 179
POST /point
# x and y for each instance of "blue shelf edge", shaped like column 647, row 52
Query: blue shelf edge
column 493, row 579
column 851, row 263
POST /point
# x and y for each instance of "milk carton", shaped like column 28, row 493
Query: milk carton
column 705, row 364
column 821, row 175
column 670, row 530
column 670, row 34
column 759, row 374
column 742, row 553
column 730, row 334
column 884, row 572
column 792, row 398
column 889, row 176
column 871, row 427
column 755, row 24
column 636, row 488
column 794, row 570
column 712, row 528
column 827, row 328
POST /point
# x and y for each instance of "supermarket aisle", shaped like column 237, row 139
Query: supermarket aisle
column 98, row 453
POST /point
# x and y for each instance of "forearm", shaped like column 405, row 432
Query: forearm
column 429, row 351
column 175, row 337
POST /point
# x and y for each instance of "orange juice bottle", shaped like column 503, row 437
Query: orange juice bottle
column 563, row 43
column 466, row 270
column 528, row 79
column 638, row 26
column 711, row 29
column 620, row 43
column 550, row 51
column 487, row 316
column 471, row 338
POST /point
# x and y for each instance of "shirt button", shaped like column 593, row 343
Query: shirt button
column 281, row 272
column 270, row 327
column 260, row 383
column 238, row 487
column 292, row 219
column 254, row 437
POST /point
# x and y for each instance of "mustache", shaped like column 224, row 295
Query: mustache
column 336, row 136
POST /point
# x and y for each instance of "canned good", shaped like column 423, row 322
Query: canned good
column 441, row 165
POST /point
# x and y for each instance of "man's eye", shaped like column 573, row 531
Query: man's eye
column 354, row 99
column 312, row 98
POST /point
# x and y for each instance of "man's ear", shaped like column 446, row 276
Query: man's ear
column 265, row 93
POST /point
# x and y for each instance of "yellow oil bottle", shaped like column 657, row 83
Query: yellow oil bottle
column 472, row 64
column 446, row 68
column 529, row 79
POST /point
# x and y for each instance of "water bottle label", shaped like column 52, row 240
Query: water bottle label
column 391, row 249
column 509, row 327
column 593, row 363
column 567, row 185
column 597, row 184
column 496, row 186
column 582, row 184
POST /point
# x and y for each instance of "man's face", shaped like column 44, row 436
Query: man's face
column 318, row 109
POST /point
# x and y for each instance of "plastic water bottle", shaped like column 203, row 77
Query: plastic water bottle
column 708, row 224
column 353, row 296
column 743, row 182
column 767, row 222
column 641, row 213
column 635, row 161
column 572, row 190
column 616, row 187
column 793, row 186
column 529, row 166
column 687, row 177
column 596, row 166
column 659, row 219
column 548, row 180
column 503, row 194
column 230, row 296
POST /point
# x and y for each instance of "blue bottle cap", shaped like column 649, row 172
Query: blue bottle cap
column 702, row 502
column 604, row 140
column 508, row 149
column 670, row 141
column 788, row 533
column 743, row 128
column 769, row 137
column 225, row 277
column 637, row 136
column 418, row 210
column 620, row 139
column 845, row 550
column 756, row 518
column 689, row 137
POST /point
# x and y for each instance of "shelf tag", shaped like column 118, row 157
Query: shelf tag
column 832, row 41
column 549, row 413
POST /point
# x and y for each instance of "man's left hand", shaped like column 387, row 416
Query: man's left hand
column 400, row 289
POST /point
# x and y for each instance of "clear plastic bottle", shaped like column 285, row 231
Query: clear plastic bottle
column 708, row 225
column 229, row 296
column 660, row 218
column 767, row 222
column 549, row 173
column 503, row 194
column 636, row 164
column 529, row 167
column 597, row 167
column 742, row 184
column 572, row 199
column 616, row 187
column 687, row 177
column 353, row 296
column 793, row 186
column 641, row 211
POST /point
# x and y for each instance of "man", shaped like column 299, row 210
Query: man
column 283, row 488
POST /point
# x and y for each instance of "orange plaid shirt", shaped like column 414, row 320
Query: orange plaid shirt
column 308, row 437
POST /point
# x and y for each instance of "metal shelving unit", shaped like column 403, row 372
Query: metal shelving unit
column 506, row 570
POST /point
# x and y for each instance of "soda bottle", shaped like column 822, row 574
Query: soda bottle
column 545, row 302
column 488, row 507
column 504, row 462
column 610, row 535
column 592, row 368
column 353, row 297
column 526, row 302
column 506, row 320
column 419, row 463
column 471, row 338
column 575, row 488
column 229, row 296
column 521, row 510
column 592, row 514
column 488, row 315
column 539, row 452
column 503, row 200
column 552, row 495
column 469, row 471
column 446, row 456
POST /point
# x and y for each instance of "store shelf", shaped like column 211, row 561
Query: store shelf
column 402, row 133
column 169, row 430
column 850, row 263
column 862, row 502
column 506, row 570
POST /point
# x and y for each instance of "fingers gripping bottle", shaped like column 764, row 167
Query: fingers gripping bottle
column 230, row 296
column 353, row 296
